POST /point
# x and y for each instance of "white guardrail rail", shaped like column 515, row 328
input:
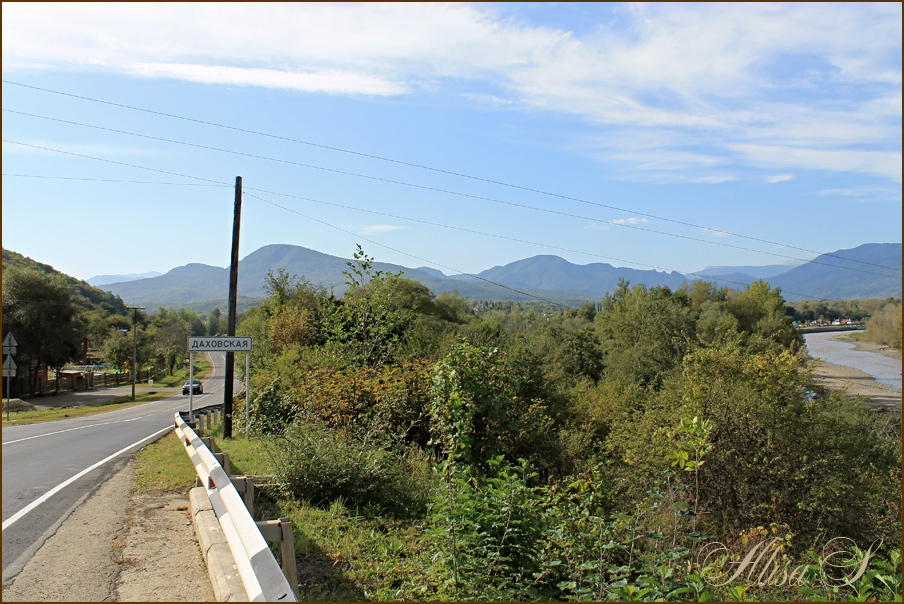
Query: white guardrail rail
column 261, row 574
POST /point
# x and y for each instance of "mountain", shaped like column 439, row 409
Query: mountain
column 201, row 287
column 871, row 270
column 735, row 276
column 83, row 294
column 589, row 280
column 107, row 279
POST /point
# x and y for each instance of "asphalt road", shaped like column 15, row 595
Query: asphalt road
column 50, row 468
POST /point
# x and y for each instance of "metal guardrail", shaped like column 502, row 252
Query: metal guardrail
column 261, row 575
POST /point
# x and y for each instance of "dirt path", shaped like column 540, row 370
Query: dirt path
column 118, row 547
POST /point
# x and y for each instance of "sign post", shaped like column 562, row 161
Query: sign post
column 9, row 365
column 221, row 344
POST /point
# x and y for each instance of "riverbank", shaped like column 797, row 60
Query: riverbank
column 857, row 383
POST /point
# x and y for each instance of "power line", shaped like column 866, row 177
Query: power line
column 468, row 195
column 430, row 262
column 705, row 277
column 135, row 182
column 450, row 173
column 505, row 237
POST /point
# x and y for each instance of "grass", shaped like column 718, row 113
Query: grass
column 179, row 377
column 163, row 466
column 342, row 554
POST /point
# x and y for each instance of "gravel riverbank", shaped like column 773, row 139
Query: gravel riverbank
column 857, row 383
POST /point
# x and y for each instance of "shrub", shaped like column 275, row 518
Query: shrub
column 320, row 465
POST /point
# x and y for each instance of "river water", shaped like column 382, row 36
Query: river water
column 885, row 370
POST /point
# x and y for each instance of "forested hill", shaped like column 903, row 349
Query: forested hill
column 83, row 294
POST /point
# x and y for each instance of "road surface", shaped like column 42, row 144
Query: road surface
column 50, row 468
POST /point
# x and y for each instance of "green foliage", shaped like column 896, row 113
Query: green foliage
column 361, row 468
column 471, row 414
column 370, row 324
column 272, row 410
column 487, row 530
column 645, row 332
column 884, row 327
column 38, row 310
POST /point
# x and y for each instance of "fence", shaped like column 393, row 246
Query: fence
column 21, row 385
column 261, row 575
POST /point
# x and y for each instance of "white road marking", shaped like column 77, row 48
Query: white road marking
column 21, row 513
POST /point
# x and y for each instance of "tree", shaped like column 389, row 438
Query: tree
column 169, row 333
column 370, row 324
column 38, row 309
column 214, row 323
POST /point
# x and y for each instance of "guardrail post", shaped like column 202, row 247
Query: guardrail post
column 280, row 531
column 245, row 486
column 223, row 460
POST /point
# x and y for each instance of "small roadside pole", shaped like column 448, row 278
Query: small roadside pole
column 9, row 365
column 191, row 385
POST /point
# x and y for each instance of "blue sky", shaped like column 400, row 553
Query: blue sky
column 667, row 136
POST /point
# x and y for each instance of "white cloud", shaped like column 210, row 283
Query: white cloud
column 329, row 81
column 632, row 220
column 878, row 163
column 716, row 233
column 378, row 229
column 865, row 194
column 780, row 178
column 774, row 86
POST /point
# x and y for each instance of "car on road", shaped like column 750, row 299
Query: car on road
column 195, row 386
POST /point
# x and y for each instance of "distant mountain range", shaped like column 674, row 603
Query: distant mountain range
column 107, row 279
column 200, row 287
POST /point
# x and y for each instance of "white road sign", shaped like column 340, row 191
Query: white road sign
column 9, row 367
column 214, row 344
column 9, row 344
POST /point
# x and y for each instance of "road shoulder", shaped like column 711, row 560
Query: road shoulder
column 118, row 546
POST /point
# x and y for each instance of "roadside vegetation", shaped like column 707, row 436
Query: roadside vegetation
column 61, row 322
column 637, row 448
column 444, row 449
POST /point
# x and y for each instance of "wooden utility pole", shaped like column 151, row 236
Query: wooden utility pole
column 230, row 326
column 135, row 347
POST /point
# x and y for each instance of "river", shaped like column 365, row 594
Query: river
column 885, row 370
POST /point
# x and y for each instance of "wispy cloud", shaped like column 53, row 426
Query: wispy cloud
column 378, row 229
column 328, row 81
column 774, row 87
column 780, row 178
column 865, row 194
column 716, row 233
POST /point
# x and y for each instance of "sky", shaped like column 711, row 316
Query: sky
column 455, row 136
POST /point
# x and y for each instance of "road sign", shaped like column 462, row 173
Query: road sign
column 9, row 344
column 213, row 344
column 9, row 367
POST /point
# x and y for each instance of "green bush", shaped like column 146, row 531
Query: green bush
column 272, row 410
column 321, row 465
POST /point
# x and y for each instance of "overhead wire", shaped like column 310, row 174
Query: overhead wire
column 441, row 171
column 430, row 262
column 376, row 212
column 134, row 182
column 457, row 193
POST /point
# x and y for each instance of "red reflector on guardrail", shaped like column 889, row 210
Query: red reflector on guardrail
column 210, row 483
